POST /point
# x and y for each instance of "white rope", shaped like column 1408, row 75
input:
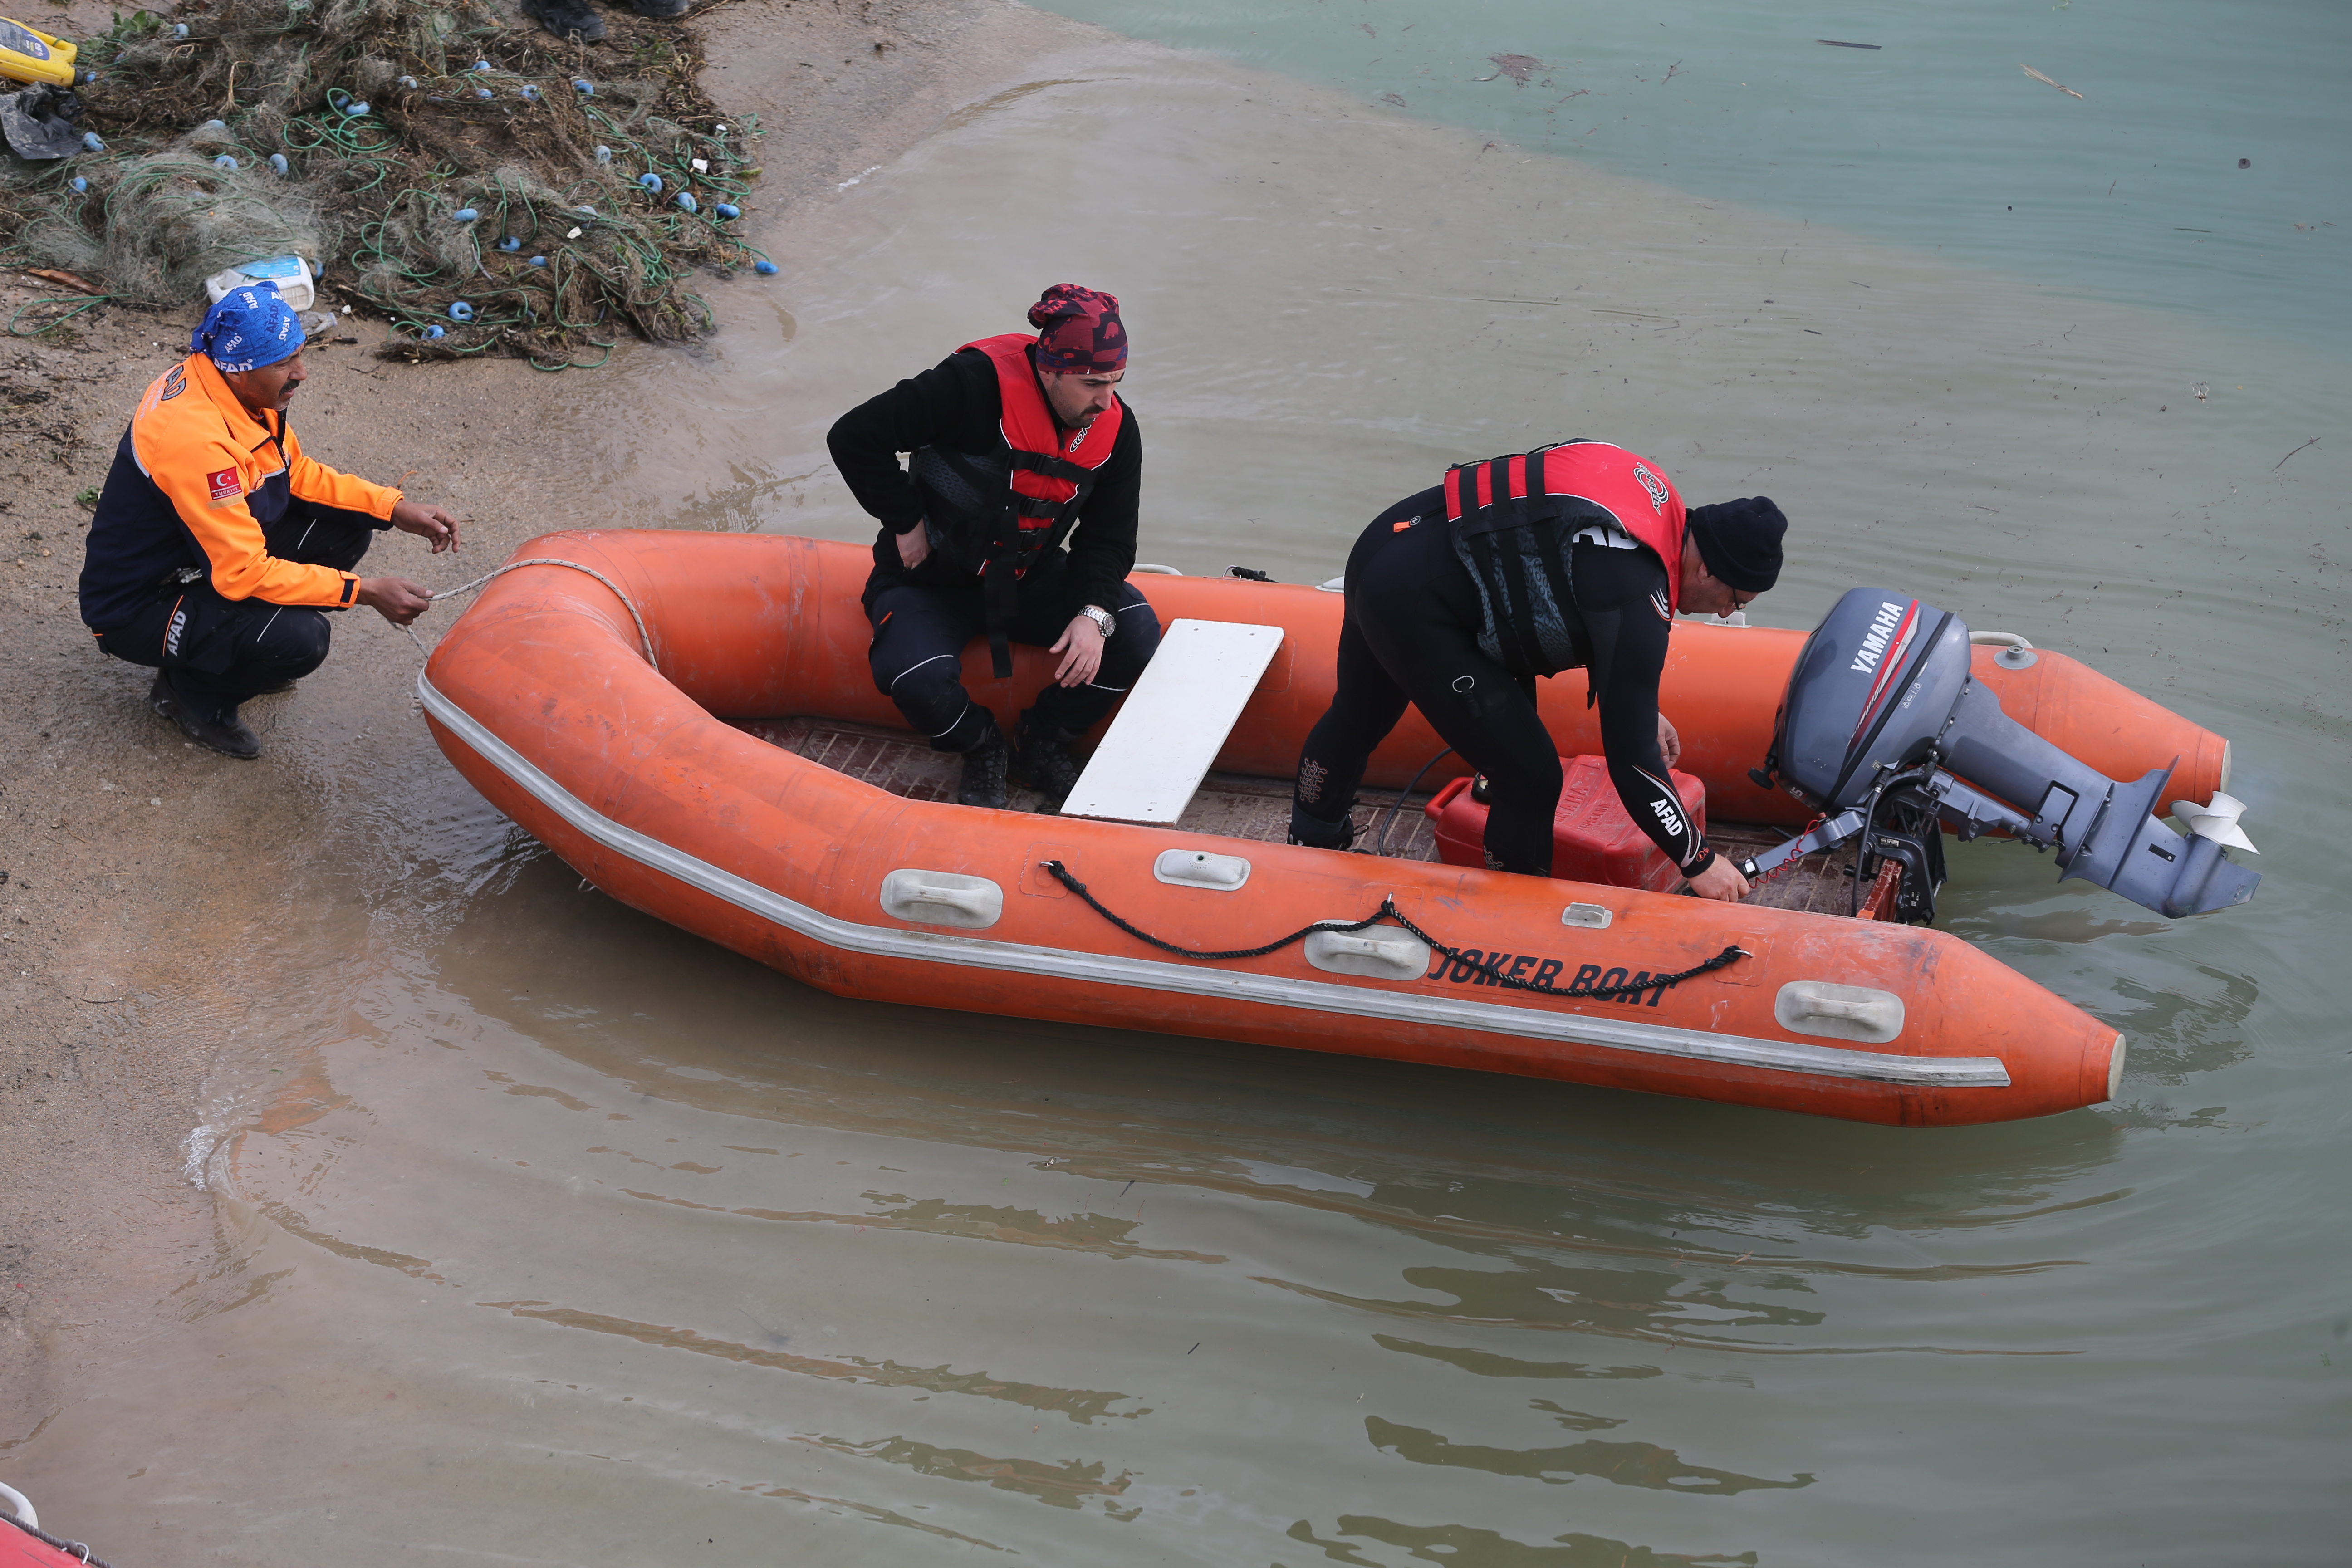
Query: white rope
column 643, row 635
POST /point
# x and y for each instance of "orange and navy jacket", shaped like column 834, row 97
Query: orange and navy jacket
column 195, row 482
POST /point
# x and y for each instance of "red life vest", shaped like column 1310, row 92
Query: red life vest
column 1050, row 474
column 1046, row 478
column 1513, row 535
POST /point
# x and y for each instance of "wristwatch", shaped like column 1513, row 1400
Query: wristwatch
column 1104, row 622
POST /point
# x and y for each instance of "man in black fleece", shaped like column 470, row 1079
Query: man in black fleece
column 1020, row 446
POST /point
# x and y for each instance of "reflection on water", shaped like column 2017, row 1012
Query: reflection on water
column 1463, row 1544
column 560, row 1237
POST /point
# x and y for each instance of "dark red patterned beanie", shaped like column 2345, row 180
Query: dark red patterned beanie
column 1079, row 331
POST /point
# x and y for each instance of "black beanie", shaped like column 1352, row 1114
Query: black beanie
column 1740, row 541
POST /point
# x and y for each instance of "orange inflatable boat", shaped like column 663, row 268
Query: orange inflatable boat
column 687, row 720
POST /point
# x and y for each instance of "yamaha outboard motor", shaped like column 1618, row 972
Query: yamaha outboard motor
column 1884, row 732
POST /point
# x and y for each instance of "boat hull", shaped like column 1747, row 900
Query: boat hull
column 540, row 697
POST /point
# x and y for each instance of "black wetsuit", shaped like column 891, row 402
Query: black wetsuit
column 923, row 618
column 1412, row 636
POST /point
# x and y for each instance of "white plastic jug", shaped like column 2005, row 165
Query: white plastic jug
column 290, row 273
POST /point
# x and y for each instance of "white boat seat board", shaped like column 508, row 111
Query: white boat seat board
column 1174, row 723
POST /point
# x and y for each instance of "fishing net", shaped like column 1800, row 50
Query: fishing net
column 479, row 185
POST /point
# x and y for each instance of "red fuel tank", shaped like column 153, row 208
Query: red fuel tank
column 1592, row 838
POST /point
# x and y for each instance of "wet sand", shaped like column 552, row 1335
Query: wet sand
column 751, row 1259
column 144, row 875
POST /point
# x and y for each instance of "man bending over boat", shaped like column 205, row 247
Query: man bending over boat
column 217, row 545
column 1457, row 598
column 1020, row 445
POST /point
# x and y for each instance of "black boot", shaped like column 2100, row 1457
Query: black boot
column 983, row 771
column 1044, row 762
column 227, row 736
column 1316, row 833
column 567, row 19
column 659, row 10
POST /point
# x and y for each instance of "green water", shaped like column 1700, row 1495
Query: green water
column 554, row 1234
column 1934, row 139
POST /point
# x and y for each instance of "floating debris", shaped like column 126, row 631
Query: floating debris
column 2037, row 76
column 1841, row 44
column 1518, row 67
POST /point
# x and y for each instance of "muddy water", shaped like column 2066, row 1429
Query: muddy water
column 563, row 1238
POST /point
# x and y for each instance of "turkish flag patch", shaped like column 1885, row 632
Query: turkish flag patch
column 224, row 486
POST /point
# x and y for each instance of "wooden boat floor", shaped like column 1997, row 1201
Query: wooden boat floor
column 1238, row 806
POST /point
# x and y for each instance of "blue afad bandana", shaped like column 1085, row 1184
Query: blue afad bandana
column 251, row 327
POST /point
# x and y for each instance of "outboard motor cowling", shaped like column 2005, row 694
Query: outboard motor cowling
column 1886, row 733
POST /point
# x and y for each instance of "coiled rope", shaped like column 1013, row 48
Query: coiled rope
column 644, row 637
column 1388, row 911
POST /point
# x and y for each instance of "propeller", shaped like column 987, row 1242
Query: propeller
column 2217, row 821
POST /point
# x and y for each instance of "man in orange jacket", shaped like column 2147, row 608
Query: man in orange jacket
column 217, row 545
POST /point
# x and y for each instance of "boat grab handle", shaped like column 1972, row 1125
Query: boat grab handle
column 1399, row 957
column 942, row 899
column 1840, row 1012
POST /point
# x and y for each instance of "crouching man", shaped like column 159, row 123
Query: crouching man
column 217, row 545
column 1020, row 444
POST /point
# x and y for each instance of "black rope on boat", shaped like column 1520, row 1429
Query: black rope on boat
column 1388, row 911
column 79, row 1550
column 1061, row 873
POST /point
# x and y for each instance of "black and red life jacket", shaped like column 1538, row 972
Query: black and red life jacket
column 1512, row 519
column 997, row 513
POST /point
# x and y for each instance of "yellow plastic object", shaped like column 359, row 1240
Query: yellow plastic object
column 29, row 56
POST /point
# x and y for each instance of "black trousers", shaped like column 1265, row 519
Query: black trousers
column 227, row 650
column 920, row 629
column 1411, row 636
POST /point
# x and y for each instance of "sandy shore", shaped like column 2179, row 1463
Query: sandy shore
column 140, row 870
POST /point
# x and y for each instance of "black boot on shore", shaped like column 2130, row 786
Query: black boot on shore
column 227, row 736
